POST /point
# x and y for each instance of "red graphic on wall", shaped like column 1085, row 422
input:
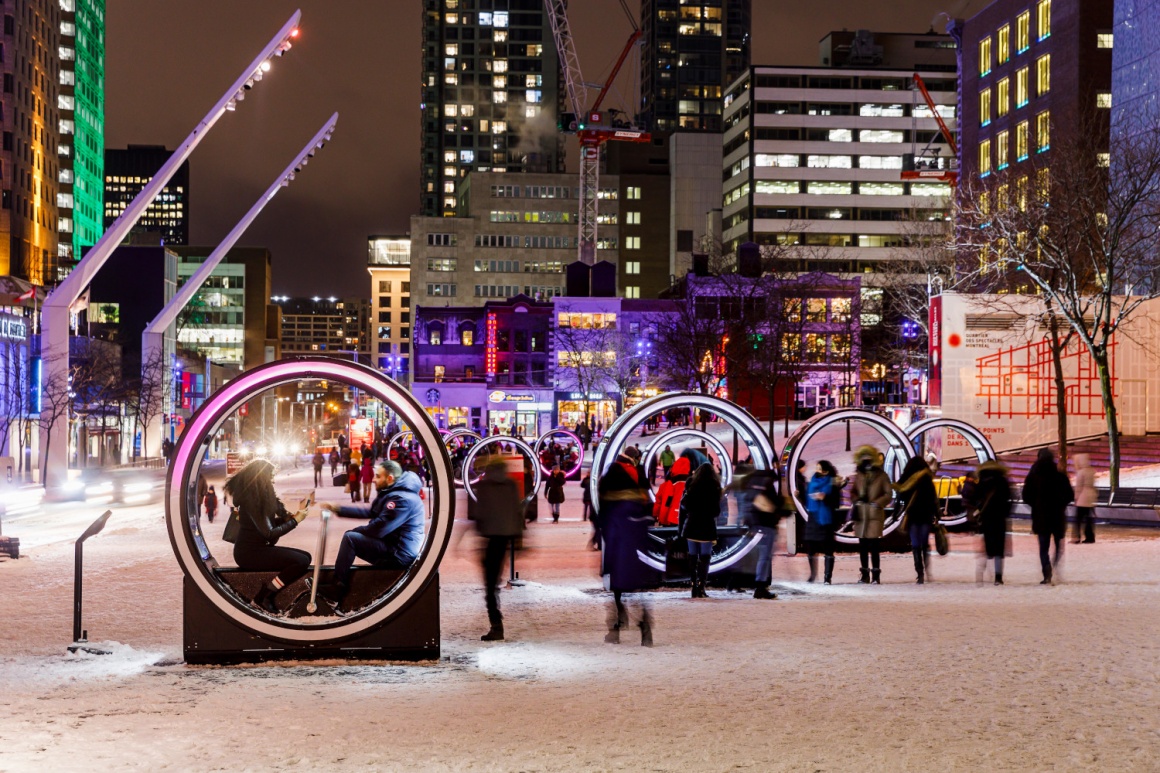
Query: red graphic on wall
column 1020, row 381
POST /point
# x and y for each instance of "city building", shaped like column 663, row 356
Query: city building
column 389, row 264
column 692, row 50
column 1032, row 71
column 813, row 156
column 81, row 153
column 325, row 326
column 17, row 367
column 515, row 235
column 128, row 171
column 490, row 96
column 230, row 319
column 1135, row 66
column 643, row 229
column 29, row 164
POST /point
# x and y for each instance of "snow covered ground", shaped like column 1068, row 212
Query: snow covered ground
column 948, row 676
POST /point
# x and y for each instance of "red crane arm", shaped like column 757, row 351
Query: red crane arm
column 946, row 133
column 635, row 36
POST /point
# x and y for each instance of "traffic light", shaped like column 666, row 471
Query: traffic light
column 567, row 123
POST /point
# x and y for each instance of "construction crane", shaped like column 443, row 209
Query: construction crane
column 923, row 166
column 592, row 126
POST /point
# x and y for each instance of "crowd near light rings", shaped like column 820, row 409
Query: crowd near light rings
column 461, row 435
column 546, row 437
column 181, row 504
column 984, row 451
column 900, row 451
column 520, row 446
column 396, row 439
column 749, row 431
column 667, row 437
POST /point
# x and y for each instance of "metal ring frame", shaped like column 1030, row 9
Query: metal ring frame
column 748, row 429
column 896, row 438
column 522, row 446
column 398, row 436
column 718, row 446
column 984, row 451
column 449, row 436
column 181, row 507
column 552, row 433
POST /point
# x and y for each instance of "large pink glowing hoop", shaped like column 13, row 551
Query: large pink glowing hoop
column 560, row 431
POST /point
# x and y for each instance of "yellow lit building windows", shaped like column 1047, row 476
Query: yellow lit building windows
column 1042, row 75
column 1021, row 78
column 1003, row 95
column 1021, row 194
column 1022, row 137
column 1043, row 131
column 984, row 107
column 1104, row 99
column 1001, row 150
column 984, row 158
column 985, row 56
column 1103, row 40
column 1043, row 183
column 1004, row 42
column 1023, row 32
column 1043, row 19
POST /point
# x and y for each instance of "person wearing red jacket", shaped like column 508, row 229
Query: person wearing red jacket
column 667, row 508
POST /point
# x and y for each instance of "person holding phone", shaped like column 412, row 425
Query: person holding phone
column 262, row 521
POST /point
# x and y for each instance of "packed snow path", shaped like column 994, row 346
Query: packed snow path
column 948, row 676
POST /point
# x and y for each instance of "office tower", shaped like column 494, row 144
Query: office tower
column 128, row 171
column 389, row 264
column 490, row 95
column 81, row 153
column 1135, row 66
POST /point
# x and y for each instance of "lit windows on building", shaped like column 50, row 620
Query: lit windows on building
column 1021, row 87
column 984, row 107
column 632, row 291
column 441, row 264
column 1001, row 150
column 632, row 242
column 1043, row 131
column 826, row 187
column 1043, row 75
column 441, row 289
column 632, row 267
column 879, row 135
column 1023, row 32
column 632, row 193
column 1003, row 97
column 985, row 56
column 984, row 158
column 1043, row 183
column 1104, row 99
column 1043, row 19
column 632, row 218
column 1004, row 42
column 1103, row 40
column 1022, row 140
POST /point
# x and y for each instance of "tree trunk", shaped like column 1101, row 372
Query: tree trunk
column 1060, row 389
column 1100, row 355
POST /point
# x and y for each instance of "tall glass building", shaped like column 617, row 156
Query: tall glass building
column 81, row 102
column 1135, row 97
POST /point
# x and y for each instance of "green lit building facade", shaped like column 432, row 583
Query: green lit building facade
column 80, row 199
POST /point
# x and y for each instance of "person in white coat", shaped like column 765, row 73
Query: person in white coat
column 1085, row 499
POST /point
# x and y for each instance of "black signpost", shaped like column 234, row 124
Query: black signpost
column 81, row 637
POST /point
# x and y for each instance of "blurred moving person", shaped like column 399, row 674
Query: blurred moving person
column 821, row 492
column 1085, row 499
column 211, row 503
column 762, row 499
column 919, row 503
column 700, row 508
column 554, row 491
column 366, row 476
column 1048, row 492
column 499, row 517
column 872, row 495
column 625, row 520
column 317, row 461
column 991, row 498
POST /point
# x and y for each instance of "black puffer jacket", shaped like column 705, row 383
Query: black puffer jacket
column 262, row 518
column 701, row 505
column 1048, row 492
column 916, row 495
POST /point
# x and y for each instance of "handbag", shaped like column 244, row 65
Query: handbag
column 233, row 525
column 346, row 488
column 941, row 543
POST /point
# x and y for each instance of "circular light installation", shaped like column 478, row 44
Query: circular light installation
column 460, row 435
column 978, row 442
column 900, row 452
column 181, row 506
column 398, row 437
column 521, row 446
column 666, row 437
column 560, row 431
column 748, row 430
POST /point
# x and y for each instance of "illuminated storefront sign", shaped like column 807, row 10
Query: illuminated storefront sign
column 491, row 344
column 499, row 396
column 13, row 328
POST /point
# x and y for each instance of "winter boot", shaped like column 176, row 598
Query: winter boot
column 333, row 592
column 613, row 635
column 998, row 578
column 829, row 575
column 265, row 599
column 762, row 591
column 864, row 577
column 1046, row 577
column 494, row 634
column 646, row 631
column 813, row 568
column 875, row 576
column 919, row 569
column 704, row 577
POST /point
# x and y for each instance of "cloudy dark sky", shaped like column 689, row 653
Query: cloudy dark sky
column 169, row 60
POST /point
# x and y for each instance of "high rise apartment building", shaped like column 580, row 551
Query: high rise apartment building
column 515, row 235
column 128, row 171
column 813, row 156
column 389, row 264
column 1135, row 66
column 490, row 96
column 28, row 155
column 325, row 326
column 81, row 153
column 692, row 50
column 1032, row 70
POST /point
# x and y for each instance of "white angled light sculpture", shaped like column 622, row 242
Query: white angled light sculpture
column 58, row 304
column 153, row 338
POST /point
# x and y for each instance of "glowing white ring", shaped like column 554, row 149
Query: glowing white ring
column 522, row 446
column 560, row 431
column 718, row 446
column 979, row 443
column 180, row 502
column 449, row 436
column 900, row 447
column 732, row 557
column 398, row 436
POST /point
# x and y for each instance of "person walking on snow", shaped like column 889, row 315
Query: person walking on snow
column 919, row 503
column 317, row 461
column 872, row 494
column 554, row 492
column 1048, row 492
column 625, row 521
column 992, row 500
column 1085, row 499
column 499, row 517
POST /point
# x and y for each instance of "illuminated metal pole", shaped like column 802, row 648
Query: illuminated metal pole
column 153, row 338
column 57, row 306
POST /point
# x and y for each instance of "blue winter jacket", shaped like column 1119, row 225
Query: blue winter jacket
column 817, row 508
column 397, row 517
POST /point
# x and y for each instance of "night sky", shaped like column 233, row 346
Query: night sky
column 169, row 60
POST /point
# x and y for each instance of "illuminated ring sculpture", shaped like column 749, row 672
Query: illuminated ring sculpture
column 978, row 442
column 560, row 431
column 461, row 434
column 181, row 506
column 900, row 452
column 747, row 427
column 718, row 446
column 398, row 437
column 521, row 446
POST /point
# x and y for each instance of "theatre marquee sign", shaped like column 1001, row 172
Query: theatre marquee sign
column 13, row 328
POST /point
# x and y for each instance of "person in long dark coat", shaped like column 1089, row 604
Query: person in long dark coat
column 919, row 501
column 1048, row 492
column 700, row 508
column 991, row 498
column 554, row 491
column 624, row 523
column 499, row 517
